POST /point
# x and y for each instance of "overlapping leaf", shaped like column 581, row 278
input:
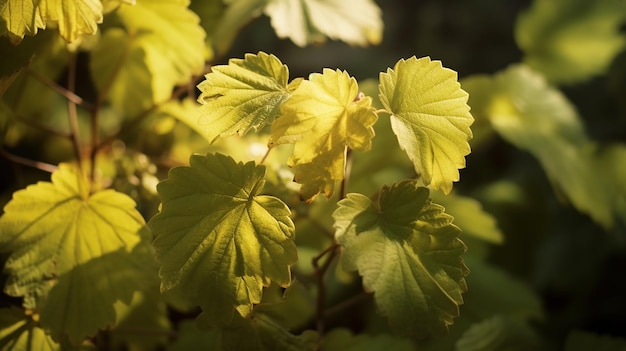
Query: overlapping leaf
column 534, row 116
column 218, row 241
column 357, row 22
column 430, row 117
column 19, row 332
column 73, row 17
column 409, row 255
column 162, row 46
column 243, row 95
column 571, row 40
column 72, row 255
column 323, row 117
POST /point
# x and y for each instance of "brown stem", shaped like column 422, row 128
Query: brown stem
column 28, row 162
column 72, row 111
column 67, row 93
column 319, row 272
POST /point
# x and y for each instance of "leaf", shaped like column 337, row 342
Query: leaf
column 73, row 17
column 162, row 46
column 218, row 241
column 408, row 253
column 532, row 115
column 570, row 41
column 305, row 22
column 430, row 117
column 72, row 255
column 243, row 95
column 499, row 333
column 18, row 332
column 322, row 118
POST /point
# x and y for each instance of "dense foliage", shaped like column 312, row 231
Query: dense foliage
column 176, row 177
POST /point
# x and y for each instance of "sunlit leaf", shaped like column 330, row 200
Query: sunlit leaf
column 536, row 117
column 162, row 46
column 409, row 255
column 470, row 216
column 323, row 117
column 357, row 22
column 218, row 241
column 430, row 117
column 243, row 95
column 72, row 255
column 571, row 40
column 19, row 332
column 73, row 17
column 345, row 340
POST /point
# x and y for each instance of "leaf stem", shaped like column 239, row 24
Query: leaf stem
column 346, row 174
column 72, row 111
column 319, row 272
column 382, row 110
column 46, row 167
column 66, row 93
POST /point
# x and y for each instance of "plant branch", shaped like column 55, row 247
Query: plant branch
column 72, row 111
column 67, row 93
column 346, row 174
column 319, row 272
column 42, row 127
column 343, row 305
column 46, row 167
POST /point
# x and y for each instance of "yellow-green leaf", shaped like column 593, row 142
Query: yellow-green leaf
column 571, row 40
column 430, row 117
column 324, row 116
column 409, row 255
column 243, row 95
column 357, row 22
column 72, row 255
column 19, row 332
column 218, row 241
column 73, row 17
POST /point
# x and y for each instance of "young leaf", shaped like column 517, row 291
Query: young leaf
column 218, row 241
column 409, row 254
column 343, row 339
column 357, row 22
column 430, row 117
column 323, row 117
column 71, row 252
column 243, row 95
column 73, row 17
column 500, row 332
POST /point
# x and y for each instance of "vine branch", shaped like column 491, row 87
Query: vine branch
column 319, row 272
column 46, row 167
column 72, row 111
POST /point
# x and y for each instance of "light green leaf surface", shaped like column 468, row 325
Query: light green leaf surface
column 526, row 111
column 409, row 255
column 162, row 46
column 18, row 332
column 72, row 255
column 72, row 17
column 430, row 117
column 469, row 215
column 357, row 22
column 324, row 117
column 571, row 40
column 218, row 241
column 244, row 95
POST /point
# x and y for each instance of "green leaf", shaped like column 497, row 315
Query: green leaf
column 571, row 40
column 499, row 333
column 324, row 116
column 18, row 332
column 532, row 115
column 409, row 255
column 72, row 255
column 357, row 22
column 343, row 340
column 244, row 95
column 469, row 215
column 162, row 46
column 218, row 241
column 430, row 117
column 73, row 17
